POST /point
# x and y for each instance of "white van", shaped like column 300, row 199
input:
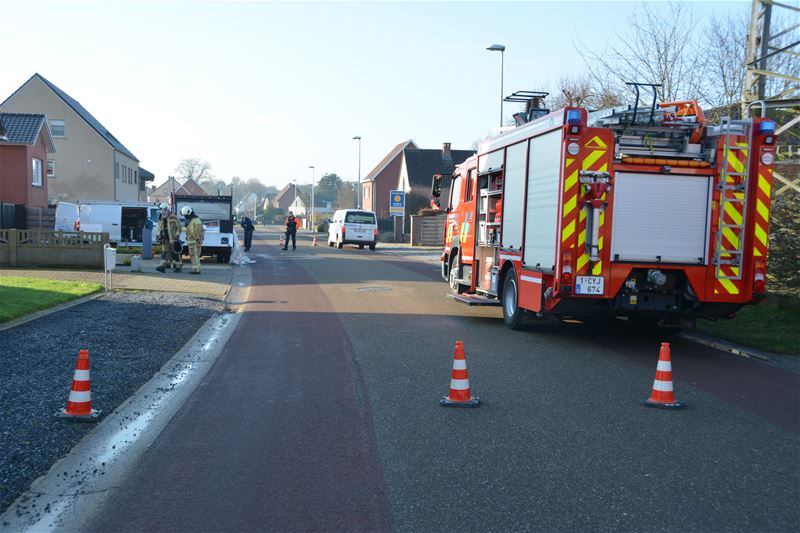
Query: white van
column 123, row 221
column 353, row 226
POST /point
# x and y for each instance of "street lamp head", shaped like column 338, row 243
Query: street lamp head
column 496, row 48
column 356, row 138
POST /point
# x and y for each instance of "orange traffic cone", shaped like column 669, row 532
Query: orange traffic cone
column 662, row 395
column 79, row 404
column 460, row 395
column 314, row 242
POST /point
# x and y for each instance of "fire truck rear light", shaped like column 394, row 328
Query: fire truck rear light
column 767, row 127
column 769, row 139
column 574, row 130
column 573, row 148
column 566, row 268
column 760, row 276
column 574, row 116
column 376, row 232
column 77, row 225
column 767, row 158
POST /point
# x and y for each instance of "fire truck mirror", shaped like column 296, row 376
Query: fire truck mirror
column 436, row 186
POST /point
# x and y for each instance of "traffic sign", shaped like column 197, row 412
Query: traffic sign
column 397, row 203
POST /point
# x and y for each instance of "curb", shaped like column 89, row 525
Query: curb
column 778, row 360
column 105, row 457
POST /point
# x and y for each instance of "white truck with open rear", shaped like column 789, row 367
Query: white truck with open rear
column 216, row 214
column 124, row 222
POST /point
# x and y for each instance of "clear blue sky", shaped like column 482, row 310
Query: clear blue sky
column 265, row 89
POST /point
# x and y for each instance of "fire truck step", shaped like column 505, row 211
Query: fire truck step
column 474, row 299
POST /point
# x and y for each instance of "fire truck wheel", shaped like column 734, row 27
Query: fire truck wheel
column 455, row 275
column 512, row 314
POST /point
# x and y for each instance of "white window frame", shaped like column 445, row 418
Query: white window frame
column 36, row 174
column 63, row 125
column 51, row 168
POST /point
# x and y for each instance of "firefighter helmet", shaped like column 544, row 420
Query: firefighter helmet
column 163, row 205
column 186, row 210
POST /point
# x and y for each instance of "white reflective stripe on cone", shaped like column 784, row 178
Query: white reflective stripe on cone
column 80, row 396
column 663, row 386
column 459, row 364
column 459, row 384
column 664, row 366
column 81, row 375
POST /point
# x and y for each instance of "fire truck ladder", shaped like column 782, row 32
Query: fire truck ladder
column 733, row 192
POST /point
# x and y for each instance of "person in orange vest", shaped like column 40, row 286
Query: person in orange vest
column 292, row 224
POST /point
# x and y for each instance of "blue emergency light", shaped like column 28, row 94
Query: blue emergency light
column 573, row 116
column 767, row 127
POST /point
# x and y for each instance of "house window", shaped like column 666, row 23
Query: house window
column 57, row 128
column 116, row 170
column 136, row 176
column 37, row 172
column 51, row 168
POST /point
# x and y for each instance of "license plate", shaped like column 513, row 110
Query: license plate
column 589, row 285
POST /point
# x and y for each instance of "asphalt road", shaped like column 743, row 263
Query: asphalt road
column 322, row 415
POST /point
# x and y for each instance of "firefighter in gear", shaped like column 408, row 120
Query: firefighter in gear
column 194, row 236
column 169, row 233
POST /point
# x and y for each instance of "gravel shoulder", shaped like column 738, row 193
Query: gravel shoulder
column 129, row 335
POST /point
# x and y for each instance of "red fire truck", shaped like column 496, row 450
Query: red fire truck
column 645, row 213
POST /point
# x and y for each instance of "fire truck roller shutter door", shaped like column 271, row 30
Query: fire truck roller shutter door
column 513, row 196
column 542, row 207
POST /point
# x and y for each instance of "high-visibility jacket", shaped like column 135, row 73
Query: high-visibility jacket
column 170, row 226
column 194, row 231
column 292, row 224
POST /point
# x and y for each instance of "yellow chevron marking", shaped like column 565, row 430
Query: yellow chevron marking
column 590, row 159
column 600, row 243
column 582, row 215
column 571, row 204
column 732, row 237
column 572, row 179
column 761, row 235
column 756, row 252
column 596, row 140
column 581, row 238
column 762, row 209
column 597, row 269
column 729, row 286
column 732, row 212
column 570, row 160
column 603, row 168
column 764, row 185
column 582, row 260
column 602, row 218
column 567, row 232
column 734, row 162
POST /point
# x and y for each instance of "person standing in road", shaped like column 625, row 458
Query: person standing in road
column 194, row 236
column 169, row 233
column 248, row 227
column 292, row 224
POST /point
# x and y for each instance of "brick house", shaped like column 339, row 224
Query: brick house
column 91, row 163
column 25, row 142
column 409, row 168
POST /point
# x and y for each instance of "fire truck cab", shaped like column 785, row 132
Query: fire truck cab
column 645, row 213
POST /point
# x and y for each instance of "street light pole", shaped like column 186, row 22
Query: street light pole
column 502, row 49
column 358, row 189
column 313, row 227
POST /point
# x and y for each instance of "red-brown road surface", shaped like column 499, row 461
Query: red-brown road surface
column 321, row 414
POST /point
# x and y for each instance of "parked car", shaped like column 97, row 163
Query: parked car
column 353, row 226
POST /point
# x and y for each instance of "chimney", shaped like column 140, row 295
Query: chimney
column 446, row 151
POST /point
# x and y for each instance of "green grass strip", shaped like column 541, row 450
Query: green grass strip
column 772, row 325
column 21, row 296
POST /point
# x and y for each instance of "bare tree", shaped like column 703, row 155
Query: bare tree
column 723, row 65
column 195, row 168
column 571, row 92
column 659, row 48
column 346, row 197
